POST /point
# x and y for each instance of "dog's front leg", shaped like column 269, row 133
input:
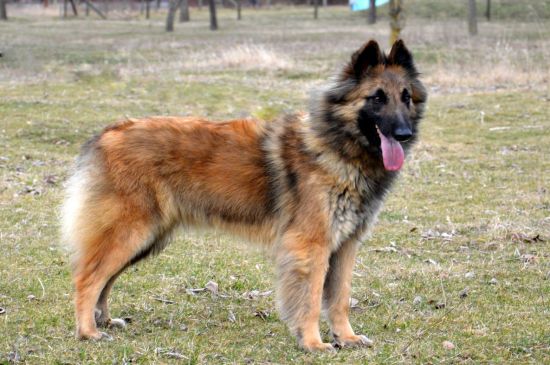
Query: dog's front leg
column 337, row 293
column 302, row 262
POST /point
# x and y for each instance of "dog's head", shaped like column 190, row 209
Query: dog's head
column 375, row 104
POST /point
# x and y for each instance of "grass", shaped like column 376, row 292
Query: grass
column 455, row 255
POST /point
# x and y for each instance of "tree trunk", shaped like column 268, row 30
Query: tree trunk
column 472, row 17
column 239, row 10
column 65, row 8
column 3, row 11
column 147, row 9
column 325, row 3
column 213, row 18
column 316, row 9
column 172, row 8
column 89, row 6
column 184, row 11
column 73, row 5
column 488, row 11
column 397, row 19
column 372, row 12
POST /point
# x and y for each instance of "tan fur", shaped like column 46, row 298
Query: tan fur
column 287, row 184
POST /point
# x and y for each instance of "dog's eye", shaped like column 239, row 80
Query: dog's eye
column 379, row 97
column 406, row 97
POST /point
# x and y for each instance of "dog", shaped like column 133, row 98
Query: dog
column 308, row 186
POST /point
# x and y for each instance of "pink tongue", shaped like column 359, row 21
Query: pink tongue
column 392, row 153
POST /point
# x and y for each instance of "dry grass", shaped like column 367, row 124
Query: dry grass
column 460, row 253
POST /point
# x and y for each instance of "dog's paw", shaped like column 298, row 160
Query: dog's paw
column 318, row 347
column 353, row 341
column 94, row 336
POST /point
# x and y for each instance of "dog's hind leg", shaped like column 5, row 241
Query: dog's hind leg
column 302, row 264
column 336, row 296
column 100, row 259
column 102, row 315
column 103, row 318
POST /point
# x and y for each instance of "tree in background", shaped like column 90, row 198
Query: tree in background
column 397, row 19
column 372, row 12
column 488, row 10
column 184, row 11
column 238, row 9
column 172, row 8
column 3, row 11
column 213, row 18
column 315, row 9
column 472, row 17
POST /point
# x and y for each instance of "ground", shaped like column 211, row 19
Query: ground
column 460, row 253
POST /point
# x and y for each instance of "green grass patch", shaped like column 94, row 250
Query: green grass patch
column 460, row 252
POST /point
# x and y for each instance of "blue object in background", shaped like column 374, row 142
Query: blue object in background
column 357, row 5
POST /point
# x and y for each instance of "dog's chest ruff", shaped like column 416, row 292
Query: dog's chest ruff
column 353, row 211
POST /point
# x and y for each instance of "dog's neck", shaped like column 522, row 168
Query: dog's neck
column 356, row 167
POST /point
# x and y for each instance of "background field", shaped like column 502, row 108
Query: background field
column 461, row 251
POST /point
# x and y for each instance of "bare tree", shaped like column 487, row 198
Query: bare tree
column 237, row 5
column 172, row 8
column 238, row 9
column 73, row 6
column 372, row 12
column 397, row 19
column 315, row 9
column 213, row 18
column 472, row 17
column 89, row 6
column 3, row 11
column 488, row 10
column 184, row 11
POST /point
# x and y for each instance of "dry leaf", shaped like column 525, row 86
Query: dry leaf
column 212, row 287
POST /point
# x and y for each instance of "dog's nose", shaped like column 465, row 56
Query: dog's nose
column 402, row 133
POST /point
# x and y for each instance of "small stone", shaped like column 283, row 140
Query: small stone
column 31, row 297
column 470, row 275
column 493, row 281
column 448, row 345
column 417, row 300
column 464, row 293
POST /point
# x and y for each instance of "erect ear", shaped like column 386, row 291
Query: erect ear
column 400, row 56
column 364, row 59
